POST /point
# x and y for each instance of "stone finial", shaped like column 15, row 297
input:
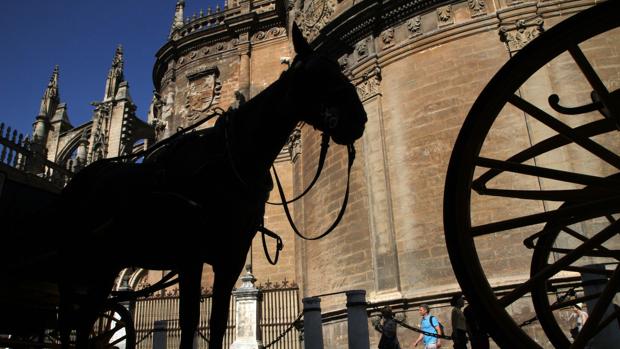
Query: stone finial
column 217, row 8
column 178, row 15
column 51, row 97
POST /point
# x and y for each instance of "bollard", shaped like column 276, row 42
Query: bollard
column 357, row 320
column 160, row 334
column 313, row 325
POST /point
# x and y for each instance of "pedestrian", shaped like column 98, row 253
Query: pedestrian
column 478, row 336
column 387, row 327
column 459, row 326
column 431, row 325
column 580, row 319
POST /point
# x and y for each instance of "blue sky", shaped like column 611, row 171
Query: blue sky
column 80, row 36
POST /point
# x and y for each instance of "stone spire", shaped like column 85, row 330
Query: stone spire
column 50, row 99
column 178, row 16
column 49, row 104
column 115, row 75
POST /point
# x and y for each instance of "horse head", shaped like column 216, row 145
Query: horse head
column 323, row 96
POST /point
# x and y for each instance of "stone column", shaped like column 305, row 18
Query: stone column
column 357, row 320
column 313, row 325
column 247, row 314
column 244, row 67
column 384, row 252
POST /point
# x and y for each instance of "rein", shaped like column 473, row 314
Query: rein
column 351, row 155
column 322, row 156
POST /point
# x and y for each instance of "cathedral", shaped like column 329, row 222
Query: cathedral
column 418, row 67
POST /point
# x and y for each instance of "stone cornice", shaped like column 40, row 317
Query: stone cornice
column 366, row 18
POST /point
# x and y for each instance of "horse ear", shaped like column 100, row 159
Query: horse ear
column 299, row 42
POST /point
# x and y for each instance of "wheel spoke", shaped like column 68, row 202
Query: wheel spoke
column 577, row 300
column 587, row 70
column 565, row 215
column 585, row 131
column 559, row 265
column 582, row 270
column 538, row 171
column 566, row 131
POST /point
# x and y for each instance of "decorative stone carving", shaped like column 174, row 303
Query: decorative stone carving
column 192, row 55
column 444, row 15
column 314, row 17
column 369, row 85
column 294, row 144
column 387, row 37
column 477, row 7
column 361, row 49
column 220, row 46
column 269, row 34
column 343, row 62
column 519, row 34
column 204, row 88
column 260, row 36
column 414, row 25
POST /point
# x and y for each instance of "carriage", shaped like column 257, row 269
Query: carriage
column 565, row 218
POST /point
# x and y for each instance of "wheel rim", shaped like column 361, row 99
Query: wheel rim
column 560, row 241
column 113, row 329
column 465, row 230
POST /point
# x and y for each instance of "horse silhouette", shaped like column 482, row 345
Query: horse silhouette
column 198, row 199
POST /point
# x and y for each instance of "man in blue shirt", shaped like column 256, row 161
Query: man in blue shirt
column 428, row 324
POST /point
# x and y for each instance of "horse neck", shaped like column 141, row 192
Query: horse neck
column 263, row 124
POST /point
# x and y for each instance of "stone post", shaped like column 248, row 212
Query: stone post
column 247, row 315
column 313, row 325
column 357, row 320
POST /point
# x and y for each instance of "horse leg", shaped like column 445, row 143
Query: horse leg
column 225, row 277
column 189, row 303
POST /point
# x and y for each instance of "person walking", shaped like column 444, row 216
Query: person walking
column 387, row 327
column 459, row 326
column 580, row 319
column 428, row 324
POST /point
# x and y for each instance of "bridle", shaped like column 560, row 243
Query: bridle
column 330, row 120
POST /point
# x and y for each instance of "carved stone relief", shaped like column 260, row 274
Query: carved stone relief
column 369, row 85
column 272, row 33
column 477, row 7
column 414, row 26
column 361, row 49
column 444, row 15
column 204, row 87
column 387, row 37
column 314, row 16
column 343, row 62
column 519, row 34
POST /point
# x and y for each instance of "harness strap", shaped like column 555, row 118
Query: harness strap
column 351, row 153
column 322, row 156
column 279, row 245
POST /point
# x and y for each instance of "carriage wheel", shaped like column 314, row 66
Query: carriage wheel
column 582, row 281
column 113, row 329
column 520, row 155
